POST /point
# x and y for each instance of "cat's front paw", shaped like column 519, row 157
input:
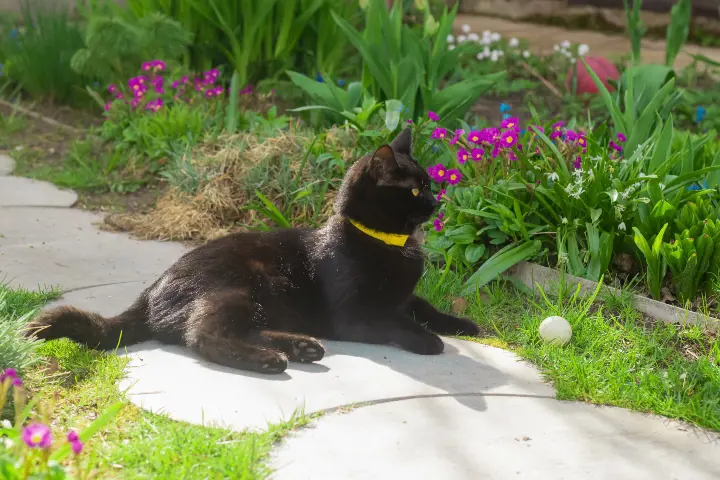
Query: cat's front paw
column 427, row 344
column 467, row 327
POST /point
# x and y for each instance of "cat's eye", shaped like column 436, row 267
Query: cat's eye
column 415, row 192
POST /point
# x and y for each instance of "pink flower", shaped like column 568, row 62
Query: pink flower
column 458, row 134
column 555, row 134
column 508, row 138
column 582, row 141
column 454, row 176
column 571, row 135
column 147, row 66
column 439, row 133
column 113, row 88
column 75, row 443
column 621, row 137
column 440, row 195
column 477, row 154
column 433, row 116
column 557, row 126
column 489, row 135
column 438, row 172
column 475, row 136
column 511, row 156
column 37, row 435
column 462, row 155
column 158, row 65
column 539, row 128
column 154, row 105
column 615, row 146
column 577, row 163
column 438, row 223
column 511, row 123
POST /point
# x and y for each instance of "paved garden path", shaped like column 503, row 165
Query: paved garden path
column 542, row 38
column 475, row 412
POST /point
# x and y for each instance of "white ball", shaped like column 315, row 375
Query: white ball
column 555, row 330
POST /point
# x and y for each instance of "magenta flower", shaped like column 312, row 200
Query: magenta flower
column 489, row 135
column 621, row 137
column 555, row 134
column 113, row 88
column 496, row 150
column 512, row 157
column 158, row 65
column 438, row 172
column 440, row 195
column 154, row 105
column 134, row 102
column 582, row 141
column 8, row 373
column 37, row 435
column 438, row 223
column 409, row 120
column 147, row 66
column 247, row 90
column 511, row 123
column 108, row 105
column 138, row 85
column 557, row 126
column 571, row 135
column 508, row 138
column 454, row 176
column 17, row 382
column 475, row 136
column 458, row 133
column 439, row 133
column 119, row 96
column 615, row 146
column 433, row 116
column 477, row 154
column 462, row 155
column 539, row 128
column 75, row 443
column 577, row 163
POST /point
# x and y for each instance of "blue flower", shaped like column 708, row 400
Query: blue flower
column 341, row 82
column 506, row 115
column 435, row 149
column 319, row 78
column 694, row 186
column 14, row 33
column 700, row 113
column 523, row 131
column 504, row 107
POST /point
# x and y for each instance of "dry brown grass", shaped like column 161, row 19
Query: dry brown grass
column 217, row 206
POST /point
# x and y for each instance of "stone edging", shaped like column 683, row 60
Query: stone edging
column 533, row 275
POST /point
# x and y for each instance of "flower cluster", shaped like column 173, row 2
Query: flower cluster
column 567, row 49
column 149, row 89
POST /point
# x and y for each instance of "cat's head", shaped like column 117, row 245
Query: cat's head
column 388, row 190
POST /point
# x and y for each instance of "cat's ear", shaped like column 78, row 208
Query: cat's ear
column 403, row 142
column 383, row 160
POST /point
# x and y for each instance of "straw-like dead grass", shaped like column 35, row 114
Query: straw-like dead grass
column 230, row 171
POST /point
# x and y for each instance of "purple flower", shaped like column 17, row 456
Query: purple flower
column 8, row 373
column 458, row 133
column 17, row 382
column 571, row 135
column 489, row 135
column 557, row 126
column 539, row 128
column 462, row 155
column 438, row 224
column 582, row 141
column 615, row 146
column 108, row 105
column 37, row 435
column 496, row 150
column 147, row 66
column 175, row 84
column 438, row 172
column 512, row 157
column 556, row 134
column 454, row 176
column 475, row 136
column 477, row 154
column 621, row 137
column 439, row 133
column 247, row 90
column 577, row 163
column 508, row 138
column 433, row 116
column 440, row 195
column 511, row 123
column 154, row 105
column 138, row 85
column 409, row 120
column 75, row 443
column 113, row 88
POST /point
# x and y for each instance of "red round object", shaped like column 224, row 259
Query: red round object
column 602, row 67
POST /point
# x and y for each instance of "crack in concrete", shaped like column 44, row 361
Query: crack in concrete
column 76, row 289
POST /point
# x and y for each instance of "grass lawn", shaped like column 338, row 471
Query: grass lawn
column 80, row 384
column 616, row 356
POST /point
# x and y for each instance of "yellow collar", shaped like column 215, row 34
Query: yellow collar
column 394, row 239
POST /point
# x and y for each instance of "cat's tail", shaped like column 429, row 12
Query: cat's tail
column 93, row 329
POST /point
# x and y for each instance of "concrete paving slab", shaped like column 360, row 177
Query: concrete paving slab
column 509, row 437
column 158, row 375
column 108, row 300
column 7, row 164
column 48, row 247
column 24, row 192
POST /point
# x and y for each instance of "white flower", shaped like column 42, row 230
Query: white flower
column 8, row 443
column 526, row 54
column 494, row 56
column 553, row 176
column 564, row 220
column 556, row 48
column 572, row 60
column 451, row 47
column 494, row 37
column 450, row 39
column 473, row 37
column 583, row 49
column 6, row 424
column 480, row 56
column 514, row 42
column 621, row 226
column 466, row 28
column 486, row 51
column 683, row 376
column 461, row 38
column 565, row 44
column 501, row 53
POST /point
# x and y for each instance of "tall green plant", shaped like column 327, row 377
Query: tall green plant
column 635, row 28
column 677, row 31
column 399, row 63
column 37, row 56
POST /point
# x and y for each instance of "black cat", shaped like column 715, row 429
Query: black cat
column 256, row 300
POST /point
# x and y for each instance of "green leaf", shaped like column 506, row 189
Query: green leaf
column 474, row 252
column 500, row 262
column 61, row 453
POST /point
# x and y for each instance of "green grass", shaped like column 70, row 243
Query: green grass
column 15, row 307
column 616, row 356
